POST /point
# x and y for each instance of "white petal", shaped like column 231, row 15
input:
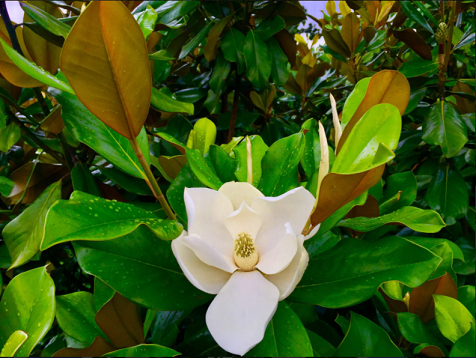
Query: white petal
column 313, row 232
column 287, row 280
column 205, row 278
column 238, row 192
column 244, row 219
column 238, row 316
column 206, row 211
column 294, row 207
column 276, row 258
column 209, row 254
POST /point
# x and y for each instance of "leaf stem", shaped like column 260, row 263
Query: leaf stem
column 10, row 29
column 150, row 180
column 234, row 111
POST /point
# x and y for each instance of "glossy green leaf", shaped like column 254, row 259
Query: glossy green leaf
column 465, row 346
column 258, row 60
column 363, row 148
column 453, row 319
column 279, row 66
column 445, row 127
column 353, row 101
column 200, row 168
column 320, row 347
column 448, row 195
column 220, row 73
column 190, row 95
column 88, row 129
column 269, row 27
column 232, row 46
column 366, row 339
column 131, row 184
column 206, row 132
column 280, row 165
column 6, row 186
column 161, row 55
column 45, row 20
column 86, row 217
column 195, row 41
column 466, row 245
column 412, row 12
column 258, row 150
column 83, row 180
column 9, row 135
column 142, row 268
column 285, row 336
column 415, row 331
column 185, row 179
column 102, row 294
column 401, row 191
column 13, row 343
column 470, row 38
column 144, row 350
column 333, row 280
column 311, row 157
column 164, row 329
column 28, row 304
column 466, row 295
column 243, row 119
column 24, row 234
column 147, row 20
column 163, row 99
column 222, row 162
column 34, row 70
column 415, row 218
column 343, row 323
column 418, row 67
column 75, row 315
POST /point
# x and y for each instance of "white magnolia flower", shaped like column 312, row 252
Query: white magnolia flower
column 247, row 249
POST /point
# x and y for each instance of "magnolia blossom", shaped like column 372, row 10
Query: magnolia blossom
column 248, row 250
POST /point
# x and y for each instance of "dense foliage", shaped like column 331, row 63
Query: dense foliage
column 109, row 110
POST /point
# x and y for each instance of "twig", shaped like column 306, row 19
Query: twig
column 10, row 28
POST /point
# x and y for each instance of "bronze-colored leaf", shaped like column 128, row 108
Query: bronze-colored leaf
column 97, row 349
column 415, row 42
column 335, row 42
column 119, row 319
column 54, row 122
column 463, row 105
column 172, row 165
column 386, row 86
column 105, row 58
column 288, row 45
column 211, row 49
column 350, row 31
column 394, row 305
column 432, row 351
column 369, row 210
column 421, row 299
column 340, row 189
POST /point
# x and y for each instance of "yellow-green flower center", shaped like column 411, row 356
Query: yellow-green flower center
column 246, row 256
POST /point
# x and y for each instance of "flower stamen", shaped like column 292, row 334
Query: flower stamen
column 246, row 255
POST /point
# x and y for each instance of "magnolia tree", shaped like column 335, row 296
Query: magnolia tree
column 197, row 178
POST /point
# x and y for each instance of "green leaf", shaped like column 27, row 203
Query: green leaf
column 88, row 129
column 131, row 184
column 190, row 95
column 143, row 350
column 141, row 268
column 445, row 127
column 220, row 73
column 9, row 135
column 206, row 132
column 415, row 331
column 412, row 12
column 163, row 100
column 161, row 55
column 6, row 186
column 432, row 243
column 258, row 151
column 75, row 315
column 465, row 346
column 335, row 42
column 401, row 191
column 285, row 336
column 280, row 165
column 28, row 304
column 370, row 141
column 320, row 346
column 448, row 195
column 311, row 157
column 353, row 101
column 467, row 39
column 224, row 164
column 232, row 46
column 366, row 339
column 35, row 71
column 13, row 343
column 24, row 234
column 86, row 217
column 452, row 318
column 201, row 169
column 415, row 218
column 243, row 119
column 164, row 329
column 102, row 294
column 343, row 323
column 46, row 21
column 418, row 67
column 83, row 180
column 279, row 66
column 258, row 60
column 333, row 279
column 269, row 27
column 466, row 295
column 196, row 40
column 147, row 20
